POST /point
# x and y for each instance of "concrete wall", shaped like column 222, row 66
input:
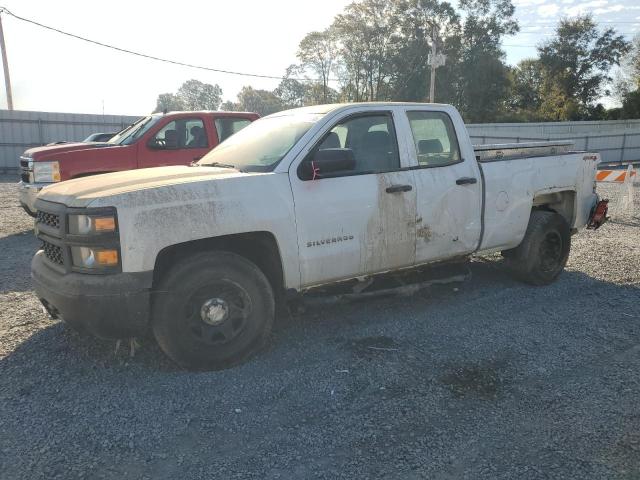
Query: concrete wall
column 20, row 130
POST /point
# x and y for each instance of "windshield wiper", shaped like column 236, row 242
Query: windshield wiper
column 221, row 165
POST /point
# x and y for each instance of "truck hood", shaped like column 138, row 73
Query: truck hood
column 82, row 191
column 40, row 153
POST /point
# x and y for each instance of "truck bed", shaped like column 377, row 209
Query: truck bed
column 512, row 151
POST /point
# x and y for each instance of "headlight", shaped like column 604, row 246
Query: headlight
column 46, row 172
column 91, row 224
column 89, row 257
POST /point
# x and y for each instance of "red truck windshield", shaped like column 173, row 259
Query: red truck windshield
column 134, row 131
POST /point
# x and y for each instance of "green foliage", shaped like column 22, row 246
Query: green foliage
column 366, row 33
column 263, row 102
column 168, row 102
column 192, row 95
column 526, row 79
column 318, row 52
column 576, row 64
column 196, row 95
column 378, row 50
column 631, row 105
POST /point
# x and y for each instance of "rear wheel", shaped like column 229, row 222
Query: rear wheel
column 544, row 251
column 212, row 310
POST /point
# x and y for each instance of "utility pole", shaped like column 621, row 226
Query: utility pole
column 5, row 65
column 432, row 62
column 435, row 60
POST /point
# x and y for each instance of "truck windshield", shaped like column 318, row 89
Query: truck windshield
column 260, row 146
column 134, row 131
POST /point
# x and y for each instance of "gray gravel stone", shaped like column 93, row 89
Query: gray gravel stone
column 494, row 380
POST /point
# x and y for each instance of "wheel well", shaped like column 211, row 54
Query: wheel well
column 562, row 203
column 260, row 248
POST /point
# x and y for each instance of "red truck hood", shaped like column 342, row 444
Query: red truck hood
column 40, row 153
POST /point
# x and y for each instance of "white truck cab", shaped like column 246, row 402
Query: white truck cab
column 301, row 198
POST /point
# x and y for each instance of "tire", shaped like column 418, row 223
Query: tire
column 544, row 251
column 212, row 310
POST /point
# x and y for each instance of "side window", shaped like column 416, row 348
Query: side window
column 227, row 126
column 372, row 140
column 187, row 133
column 196, row 136
column 435, row 138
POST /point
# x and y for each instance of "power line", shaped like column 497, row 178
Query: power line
column 255, row 75
column 151, row 57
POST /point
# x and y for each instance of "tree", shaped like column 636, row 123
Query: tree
column 411, row 72
column 262, row 102
column 291, row 92
column 192, row 95
column 168, row 102
column 631, row 105
column 482, row 74
column 527, row 79
column 628, row 78
column 196, row 95
column 578, row 61
column 229, row 106
column 365, row 34
column 317, row 52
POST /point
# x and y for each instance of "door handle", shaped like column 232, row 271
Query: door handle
column 466, row 181
column 399, row 188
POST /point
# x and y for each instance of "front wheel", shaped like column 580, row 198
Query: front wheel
column 212, row 310
column 544, row 251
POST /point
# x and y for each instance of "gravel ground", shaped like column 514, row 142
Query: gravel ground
column 487, row 379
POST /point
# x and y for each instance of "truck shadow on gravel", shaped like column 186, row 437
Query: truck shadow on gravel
column 330, row 324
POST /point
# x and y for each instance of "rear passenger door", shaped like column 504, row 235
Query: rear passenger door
column 448, row 184
column 360, row 221
column 179, row 142
column 227, row 126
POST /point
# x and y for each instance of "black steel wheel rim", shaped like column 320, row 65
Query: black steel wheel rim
column 218, row 312
column 551, row 252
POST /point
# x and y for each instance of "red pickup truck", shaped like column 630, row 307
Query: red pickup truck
column 176, row 138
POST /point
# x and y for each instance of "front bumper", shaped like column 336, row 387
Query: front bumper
column 108, row 306
column 27, row 193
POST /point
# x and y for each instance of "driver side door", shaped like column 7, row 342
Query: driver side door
column 179, row 142
column 357, row 222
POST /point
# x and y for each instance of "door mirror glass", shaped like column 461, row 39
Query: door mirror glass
column 328, row 161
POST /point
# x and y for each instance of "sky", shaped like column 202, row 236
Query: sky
column 51, row 72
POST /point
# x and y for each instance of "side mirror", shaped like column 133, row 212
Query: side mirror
column 328, row 161
column 154, row 144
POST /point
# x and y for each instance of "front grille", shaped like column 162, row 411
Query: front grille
column 52, row 252
column 49, row 219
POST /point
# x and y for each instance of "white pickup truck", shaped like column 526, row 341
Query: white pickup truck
column 299, row 199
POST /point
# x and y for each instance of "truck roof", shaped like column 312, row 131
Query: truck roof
column 330, row 107
column 204, row 112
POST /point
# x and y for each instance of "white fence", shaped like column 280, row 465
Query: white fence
column 20, row 130
column 616, row 141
